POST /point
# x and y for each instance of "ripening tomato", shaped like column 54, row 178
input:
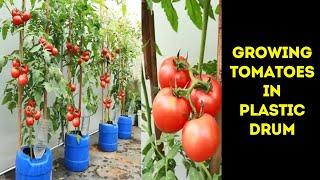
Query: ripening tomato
column 15, row 72
column 170, row 113
column 70, row 109
column 109, row 101
column 70, row 116
column 86, row 58
column 28, row 110
column 86, row 53
column 77, row 114
column 75, row 49
column 211, row 100
column 69, row 45
column 117, row 50
column 103, row 84
column 17, row 20
column 37, row 115
column 23, row 79
column 120, row 97
column 76, row 122
column 104, row 51
column 49, row 47
column 26, row 16
column 107, row 80
column 54, row 51
column 79, row 61
column 73, row 87
column 29, row 121
column 15, row 63
column 42, row 41
column 32, row 103
column 168, row 73
column 15, row 12
column 24, row 68
column 200, row 138
column 104, row 101
column 108, row 106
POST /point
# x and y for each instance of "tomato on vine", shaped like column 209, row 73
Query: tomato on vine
column 29, row 121
column 169, row 73
column 170, row 113
column 200, row 138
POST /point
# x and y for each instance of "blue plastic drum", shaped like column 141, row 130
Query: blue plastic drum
column 33, row 169
column 76, row 155
column 108, row 137
column 125, row 127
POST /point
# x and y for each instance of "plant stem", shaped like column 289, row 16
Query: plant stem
column 201, row 165
column 30, row 141
column 102, row 89
column 69, row 68
column 45, row 95
column 147, row 103
column 8, row 7
column 204, row 35
column 80, row 81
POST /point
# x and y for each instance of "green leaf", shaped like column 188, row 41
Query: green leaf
column 5, row 29
column 156, row 1
column 170, row 175
column 194, row 12
column 36, row 48
column 124, row 9
column 194, row 174
column 217, row 11
column 148, row 145
column 144, row 117
column 159, row 165
column 12, row 105
column 150, row 4
column 148, row 156
column 78, row 138
column 171, row 13
column 172, row 153
column 7, row 98
column 47, row 56
column 161, row 173
column 11, row 2
column 32, row 3
column 48, row 86
column 144, row 127
column 158, row 50
column 147, row 175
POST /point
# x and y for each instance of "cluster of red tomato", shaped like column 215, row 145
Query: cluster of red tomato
column 201, row 135
column 107, row 102
column 109, row 55
column 85, row 57
column 49, row 47
column 74, row 49
column 20, row 71
column 105, row 79
column 73, row 115
column 72, row 87
column 18, row 17
column 31, row 113
column 121, row 95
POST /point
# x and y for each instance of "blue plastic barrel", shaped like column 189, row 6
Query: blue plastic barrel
column 33, row 169
column 108, row 137
column 125, row 127
column 76, row 155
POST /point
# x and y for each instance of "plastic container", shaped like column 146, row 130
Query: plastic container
column 33, row 169
column 108, row 137
column 76, row 155
column 133, row 118
column 125, row 127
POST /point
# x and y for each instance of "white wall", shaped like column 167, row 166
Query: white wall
column 188, row 40
column 8, row 127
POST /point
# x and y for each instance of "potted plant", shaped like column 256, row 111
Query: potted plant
column 80, row 51
column 30, row 66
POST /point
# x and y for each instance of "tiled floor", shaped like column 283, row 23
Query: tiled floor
column 122, row 164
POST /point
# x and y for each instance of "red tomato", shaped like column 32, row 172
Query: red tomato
column 103, row 84
column 169, row 112
column 49, row 47
column 69, row 45
column 117, row 50
column 109, row 101
column 17, row 20
column 70, row 116
column 200, row 138
column 75, row 49
column 29, row 121
column 168, row 73
column 32, row 103
column 107, row 80
column 54, row 51
column 79, row 61
column 108, row 106
column 104, row 51
column 23, row 79
column 15, row 63
column 15, row 72
column 77, row 114
column 70, row 109
column 211, row 100
column 25, row 68
column 76, row 122
column 102, row 78
column 73, row 87
column 86, row 58
column 28, row 110
column 104, row 101
column 37, row 115
column 15, row 12
column 86, row 53
column 26, row 16
column 120, row 97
